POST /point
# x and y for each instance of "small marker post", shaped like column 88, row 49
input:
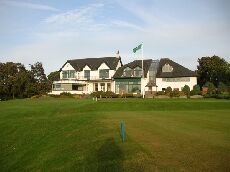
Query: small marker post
column 122, row 131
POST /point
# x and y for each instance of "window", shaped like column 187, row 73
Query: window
column 153, row 70
column 64, row 74
column 57, row 87
column 87, row 74
column 96, row 87
column 68, row 74
column 167, row 68
column 128, row 72
column 104, row 73
column 102, row 87
column 182, row 79
column 108, row 87
column 128, row 85
column 77, row 87
column 137, row 72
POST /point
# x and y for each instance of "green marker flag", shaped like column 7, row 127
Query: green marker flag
column 137, row 48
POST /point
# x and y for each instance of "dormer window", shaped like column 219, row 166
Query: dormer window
column 167, row 68
column 68, row 74
column 137, row 71
column 87, row 74
column 128, row 72
column 104, row 73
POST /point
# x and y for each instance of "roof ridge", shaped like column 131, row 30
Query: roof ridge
column 91, row 58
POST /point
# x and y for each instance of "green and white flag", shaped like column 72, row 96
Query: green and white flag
column 137, row 48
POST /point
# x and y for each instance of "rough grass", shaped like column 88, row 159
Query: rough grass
column 84, row 135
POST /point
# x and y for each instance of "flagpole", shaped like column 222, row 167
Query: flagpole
column 142, row 54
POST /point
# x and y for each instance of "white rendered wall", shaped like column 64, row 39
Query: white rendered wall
column 162, row 84
column 72, row 92
column 103, row 66
column 144, row 82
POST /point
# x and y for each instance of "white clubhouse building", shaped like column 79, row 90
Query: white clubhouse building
column 84, row 76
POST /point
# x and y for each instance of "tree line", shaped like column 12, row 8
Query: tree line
column 18, row 82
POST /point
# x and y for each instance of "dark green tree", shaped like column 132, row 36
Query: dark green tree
column 16, row 81
column 13, row 80
column 42, row 85
column 54, row 76
column 196, row 90
column 213, row 69
column 186, row 90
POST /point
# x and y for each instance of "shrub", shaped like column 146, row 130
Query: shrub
column 181, row 93
column 36, row 96
column 168, row 91
column 111, row 94
column 223, row 96
column 186, row 90
column 66, row 95
column 209, row 96
column 222, row 87
column 196, row 90
column 175, row 93
column 54, row 96
column 160, row 93
column 211, row 88
column 127, row 95
column 138, row 95
column 96, row 94
column 107, row 94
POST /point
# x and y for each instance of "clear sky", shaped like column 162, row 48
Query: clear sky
column 52, row 31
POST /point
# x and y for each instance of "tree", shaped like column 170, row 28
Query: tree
column 13, row 80
column 186, row 90
column 54, row 76
column 42, row 85
column 16, row 81
column 213, row 69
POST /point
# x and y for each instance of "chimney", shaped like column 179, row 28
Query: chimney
column 117, row 54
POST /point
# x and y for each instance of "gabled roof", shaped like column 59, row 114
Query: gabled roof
column 178, row 70
column 94, row 63
column 132, row 65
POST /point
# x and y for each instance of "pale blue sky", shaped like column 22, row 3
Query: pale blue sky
column 56, row 30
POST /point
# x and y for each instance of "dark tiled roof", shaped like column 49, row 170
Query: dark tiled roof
column 94, row 63
column 178, row 70
column 132, row 65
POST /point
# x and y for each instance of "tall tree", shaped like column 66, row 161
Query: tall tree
column 213, row 69
column 42, row 84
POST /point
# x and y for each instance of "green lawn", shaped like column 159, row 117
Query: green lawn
column 84, row 135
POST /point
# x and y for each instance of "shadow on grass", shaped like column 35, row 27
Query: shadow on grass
column 110, row 157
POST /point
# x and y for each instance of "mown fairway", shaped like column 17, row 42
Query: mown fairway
column 83, row 135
